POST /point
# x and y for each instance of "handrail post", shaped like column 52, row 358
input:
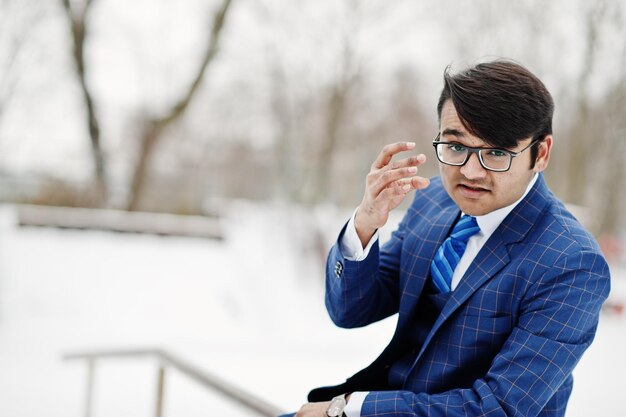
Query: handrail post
column 160, row 390
column 91, row 369
column 165, row 360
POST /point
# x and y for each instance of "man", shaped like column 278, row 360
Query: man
column 497, row 286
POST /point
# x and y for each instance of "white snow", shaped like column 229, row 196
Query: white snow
column 250, row 309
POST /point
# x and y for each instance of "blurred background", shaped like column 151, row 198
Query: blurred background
column 172, row 175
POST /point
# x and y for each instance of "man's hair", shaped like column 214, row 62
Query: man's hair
column 500, row 102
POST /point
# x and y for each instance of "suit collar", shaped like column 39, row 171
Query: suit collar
column 489, row 222
column 517, row 224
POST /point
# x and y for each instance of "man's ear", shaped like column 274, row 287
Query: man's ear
column 543, row 155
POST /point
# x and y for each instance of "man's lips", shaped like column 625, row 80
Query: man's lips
column 474, row 187
column 472, row 191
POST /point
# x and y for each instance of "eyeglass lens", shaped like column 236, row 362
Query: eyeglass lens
column 457, row 155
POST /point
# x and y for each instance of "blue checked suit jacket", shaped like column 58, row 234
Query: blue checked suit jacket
column 509, row 336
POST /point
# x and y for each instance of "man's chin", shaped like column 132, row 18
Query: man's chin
column 471, row 207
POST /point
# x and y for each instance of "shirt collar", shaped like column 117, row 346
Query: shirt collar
column 489, row 222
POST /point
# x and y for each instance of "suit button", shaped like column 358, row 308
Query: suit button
column 338, row 269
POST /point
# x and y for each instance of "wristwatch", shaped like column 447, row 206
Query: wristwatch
column 336, row 406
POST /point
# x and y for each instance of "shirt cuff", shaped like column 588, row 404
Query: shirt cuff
column 350, row 244
column 353, row 408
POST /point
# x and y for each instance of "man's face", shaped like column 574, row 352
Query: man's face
column 474, row 189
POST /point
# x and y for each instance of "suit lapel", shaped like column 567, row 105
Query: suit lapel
column 437, row 230
column 494, row 255
column 491, row 259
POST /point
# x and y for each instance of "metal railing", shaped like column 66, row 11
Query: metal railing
column 168, row 360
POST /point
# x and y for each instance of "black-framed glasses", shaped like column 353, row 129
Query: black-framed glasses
column 492, row 159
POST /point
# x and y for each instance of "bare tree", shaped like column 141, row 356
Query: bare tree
column 283, row 116
column 10, row 49
column 155, row 128
column 16, row 17
column 77, row 13
column 609, row 123
column 577, row 165
column 609, row 206
column 335, row 105
column 339, row 105
column 594, row 157
column 335, row 112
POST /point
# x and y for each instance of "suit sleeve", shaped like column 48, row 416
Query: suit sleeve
column 557, row 324
column 359, row 293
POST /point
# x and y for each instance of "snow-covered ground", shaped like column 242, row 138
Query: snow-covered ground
column 249, row 308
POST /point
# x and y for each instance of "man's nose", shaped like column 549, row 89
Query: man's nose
column 473, row 169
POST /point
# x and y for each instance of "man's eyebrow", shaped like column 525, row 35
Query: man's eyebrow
column 453, row 132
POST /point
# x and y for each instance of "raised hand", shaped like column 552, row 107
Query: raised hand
column 386, row 186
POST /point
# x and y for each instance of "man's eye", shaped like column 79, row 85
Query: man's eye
column 496, row 153
column 457, row 148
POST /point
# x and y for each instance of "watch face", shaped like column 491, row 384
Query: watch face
column 335, row 409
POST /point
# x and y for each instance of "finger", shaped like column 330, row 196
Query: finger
column 404, row 186
column 389, row 151
column 414, row 161
column 389, row 177
column 398, row 189
column 419, row 183
column 373, row 177
column 415, row 183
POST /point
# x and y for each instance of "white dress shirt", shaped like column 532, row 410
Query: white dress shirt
column 352, row 249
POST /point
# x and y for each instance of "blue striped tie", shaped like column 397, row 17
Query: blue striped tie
column 450, row 252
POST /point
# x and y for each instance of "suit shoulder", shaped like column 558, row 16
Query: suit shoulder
column 560, row 226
